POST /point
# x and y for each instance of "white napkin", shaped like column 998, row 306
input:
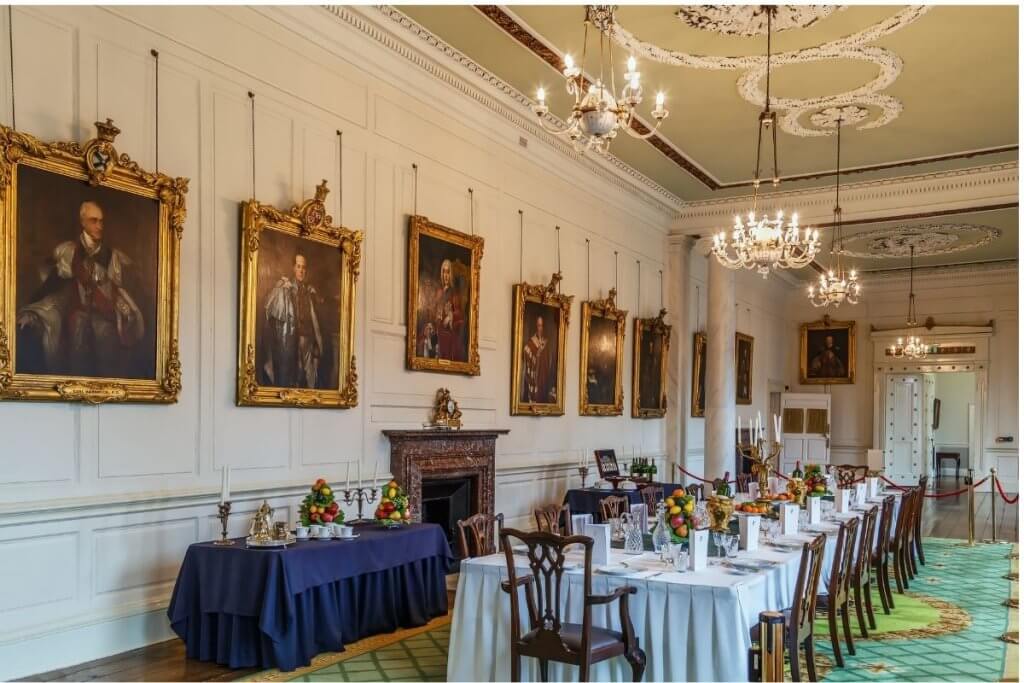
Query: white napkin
column 579, row 523
column 639, row 512
column 752, row 489
column 698, row 550
column 861, row 490
column 843, row 500
column 789, row 515
column 813, row 509
column 749, row 527
column 602, row 535
column 872, row 487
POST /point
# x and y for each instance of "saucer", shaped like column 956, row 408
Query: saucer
column 347, row 538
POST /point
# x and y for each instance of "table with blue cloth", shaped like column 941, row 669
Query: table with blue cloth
column 250, row 607
column 588, row 500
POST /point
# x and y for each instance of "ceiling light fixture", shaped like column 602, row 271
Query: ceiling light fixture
column 597, row 116
column 763, row 244
column 914, row 347
column 836, row 286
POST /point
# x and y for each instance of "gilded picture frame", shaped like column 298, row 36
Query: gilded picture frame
column 87, row 274
column 534, row 377
column 266, row 376
column 828, row 352
column 651, row 342
column 443, row 303
column 594, row 380
column 744, row 369
column 698, row 399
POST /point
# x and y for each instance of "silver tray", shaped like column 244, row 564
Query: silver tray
column 272, row 543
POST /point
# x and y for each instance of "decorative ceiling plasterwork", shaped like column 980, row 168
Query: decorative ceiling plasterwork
column 926, row 240
column 750, row 20
column 852, row 47
column 850, row 115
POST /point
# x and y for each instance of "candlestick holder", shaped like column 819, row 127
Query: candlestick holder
column 583, row 470
column 223, row 510
column 762, row 464
column 360, row 495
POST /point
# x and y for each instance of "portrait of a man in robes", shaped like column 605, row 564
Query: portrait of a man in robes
column 539, row 359
column 827, row 353
column 296, row 343
column 650, row 370
column 827, row 362
column 442, row 310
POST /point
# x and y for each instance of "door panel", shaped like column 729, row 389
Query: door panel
column 805, row 440
column 903, row 427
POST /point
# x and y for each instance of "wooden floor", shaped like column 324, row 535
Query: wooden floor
column 943, row 517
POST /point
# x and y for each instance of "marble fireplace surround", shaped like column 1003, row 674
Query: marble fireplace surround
column 420, row 454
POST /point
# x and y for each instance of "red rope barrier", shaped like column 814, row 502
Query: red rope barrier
column 694, row 476
column 947, row 494
column 999, row 486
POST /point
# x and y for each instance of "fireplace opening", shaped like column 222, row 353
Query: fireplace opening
column 445, row 502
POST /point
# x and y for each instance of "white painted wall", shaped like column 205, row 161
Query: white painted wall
column 956, row 393
column 98, row 504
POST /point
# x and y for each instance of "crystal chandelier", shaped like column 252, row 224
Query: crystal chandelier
column 914, row 347
column 836, row 286
column 764, row 243
column 597, row 116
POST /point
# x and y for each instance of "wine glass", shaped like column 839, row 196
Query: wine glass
column 732, row 545
column 716, row 537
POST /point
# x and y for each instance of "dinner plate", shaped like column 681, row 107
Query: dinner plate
column 617, row 570
column 789, row 545
column 750, row 564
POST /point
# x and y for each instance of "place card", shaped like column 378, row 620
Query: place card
column 872, row 487
column 753, row 490
column 698, row 550
column 579, row 523
column 789, row 516
column 861, row 491
column 750, row 525
column 602, row 535
column 843, row 500
column 813, row 509
column 639, row 512
column 773, row 485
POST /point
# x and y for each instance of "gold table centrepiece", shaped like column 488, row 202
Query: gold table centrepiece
column 762, row 465
column 720, row 509
column 798, row 489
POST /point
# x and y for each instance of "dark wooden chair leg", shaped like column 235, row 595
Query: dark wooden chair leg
column 812, row 672
column 868, row 607
column 833, row 634
column 847, row 631
column 516, row 663
column 585, row 670
column 794, row 657
column 857, row 599
column 881, row 582
column 638, row 665
column 543, row 663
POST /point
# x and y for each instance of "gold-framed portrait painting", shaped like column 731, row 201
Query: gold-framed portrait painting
column 444, row 299
column 296, row 302
column 828, row 352
column 602, row 337
column 651, row 338
column 89, row 260
column 744, row 369
column 698, row 400
column 540, row 324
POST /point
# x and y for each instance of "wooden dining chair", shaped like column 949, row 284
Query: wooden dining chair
column 651, row 495
column 612, row 507
column 548, row 637
column 922, row 484
column 860, row 578
column 880, row 557
column 846, row 475
column 476, row 534
column 695, row 490
column 800, row 616
column 836, row 603
column 554, row 518
column 898, row 546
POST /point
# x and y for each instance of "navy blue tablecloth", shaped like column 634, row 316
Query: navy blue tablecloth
column 279, row 608
column 588, row 500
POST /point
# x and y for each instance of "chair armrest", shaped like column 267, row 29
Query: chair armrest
column 525, row 580
column 617, row 594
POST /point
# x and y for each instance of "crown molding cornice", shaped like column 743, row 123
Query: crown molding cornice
column 990, row 271
column 414, row 43
column 979, row 188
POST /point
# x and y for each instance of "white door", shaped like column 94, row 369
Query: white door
column 904, row 427
column 806, row 425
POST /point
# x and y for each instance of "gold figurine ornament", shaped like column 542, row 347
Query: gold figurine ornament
column 762, row 465
column 260, row 528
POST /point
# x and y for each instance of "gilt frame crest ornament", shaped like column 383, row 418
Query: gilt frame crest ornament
column 641, row 328
column 96, row 164
column 601, row 308
column 307, row 221
column 546, row 296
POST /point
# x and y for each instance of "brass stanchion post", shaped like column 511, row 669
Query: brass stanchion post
column 993, row 540
column 766, row 658
column 969, row 481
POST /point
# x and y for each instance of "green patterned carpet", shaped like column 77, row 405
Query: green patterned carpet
column 946, row 628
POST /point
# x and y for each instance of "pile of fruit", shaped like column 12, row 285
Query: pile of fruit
column 394, row 505
column 783, row 496
column 319, row 506
column 815, row 480
column 679, row 509
column 753, row 508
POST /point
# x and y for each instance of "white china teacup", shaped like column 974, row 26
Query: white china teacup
column 301, row 531
column 316, row 530
column 343, row 531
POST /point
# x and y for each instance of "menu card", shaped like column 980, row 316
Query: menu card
column 789, row 515
column 579, row 523
column 872, row 487
column 752, row 489
column 698, row 550
column 749, row 527
column 862, row 493
column 813, row 509
column 639, row 512
column 773, row 485
column 843, row 500
column 602, row 535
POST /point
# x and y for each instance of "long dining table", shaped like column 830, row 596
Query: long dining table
column 693, row 625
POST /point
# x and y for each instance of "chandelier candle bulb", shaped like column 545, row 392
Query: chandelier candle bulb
column 540, row 96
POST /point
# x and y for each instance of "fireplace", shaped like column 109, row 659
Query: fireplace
column 448, row 474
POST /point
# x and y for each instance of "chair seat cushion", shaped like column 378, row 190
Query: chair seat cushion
column 602, row 641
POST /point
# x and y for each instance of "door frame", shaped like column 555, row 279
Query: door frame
column 956, row 348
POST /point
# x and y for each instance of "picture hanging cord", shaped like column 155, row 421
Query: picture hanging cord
column 661, row 288
column 558, row 253
column 415, row 190
column 472, row 216
column 10, row 43
column 341, row 173
column 638, row 286
column 616, row 271
column 156, row 108
column 521, row 245
column 588, row 267
column 252, row 142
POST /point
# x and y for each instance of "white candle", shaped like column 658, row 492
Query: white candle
column 739, row 430
column 225, row 484
column 750, row 428
column 376, row 469
column 348, row 474
column 759, row 423
column 359, row 471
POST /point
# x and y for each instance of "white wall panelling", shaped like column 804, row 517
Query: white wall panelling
column 116, row 493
